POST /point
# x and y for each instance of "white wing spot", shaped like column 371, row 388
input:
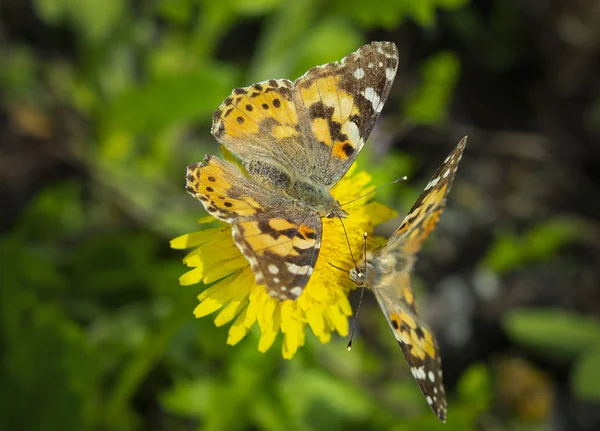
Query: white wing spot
column 275, row 280
column 295, row 269
column 429, row 400
column 283, row 288
column 380, row 64
column 372, row 96
column 390, row 74
column 359, row 73
column 370, row 65
column 273, row 269
column 418, row 373
column 447, row 173
column 296, row 291
column 432, row 183
column 431, row 376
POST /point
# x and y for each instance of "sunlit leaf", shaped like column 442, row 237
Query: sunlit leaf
column 586, row 375
column 558, row 333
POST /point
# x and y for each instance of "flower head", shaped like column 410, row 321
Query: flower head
column 323, row 305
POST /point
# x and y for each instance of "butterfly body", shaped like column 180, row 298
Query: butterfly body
column 387, row 274
column 295, row 140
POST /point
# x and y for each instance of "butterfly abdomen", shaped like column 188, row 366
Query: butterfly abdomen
column 267, row 173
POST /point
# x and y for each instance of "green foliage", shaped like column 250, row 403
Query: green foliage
column 428, row 104
column 96, row 332
column 554, row 332
column 92, row 19
column 564, row 336
column 387, row 14
column 586, row 375
column 137, row 111
column 536, row 245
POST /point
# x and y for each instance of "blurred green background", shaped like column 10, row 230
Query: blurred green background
column 104, row 103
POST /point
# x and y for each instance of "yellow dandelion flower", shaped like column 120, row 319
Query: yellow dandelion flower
column 323, row 305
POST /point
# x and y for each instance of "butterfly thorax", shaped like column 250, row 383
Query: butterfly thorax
column 302, row 190
column 378, row 268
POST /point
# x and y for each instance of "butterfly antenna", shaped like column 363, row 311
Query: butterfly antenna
column 397, row 180
column 362, row 292
column 337, row 267
column 347, row 241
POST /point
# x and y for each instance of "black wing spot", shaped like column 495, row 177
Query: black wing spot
column 348, row 149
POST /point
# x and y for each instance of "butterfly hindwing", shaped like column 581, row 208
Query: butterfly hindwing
column 282, row 249
column 281, row 245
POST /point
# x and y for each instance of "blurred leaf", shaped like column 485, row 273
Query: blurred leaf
column 136, row 369
column 429, row 102
column 391, row 13
column 255, row 7
column 177, row 11
column 475, row 387
column 189, row 399
column 59, row 207
column 329, row 40
column 321, row 401
column 18, row 75
column 93, row 19
column 52, row 380
column 557, row 333
column 287, row 27
column 171, row 101
column 586, row 375
column 538, row 244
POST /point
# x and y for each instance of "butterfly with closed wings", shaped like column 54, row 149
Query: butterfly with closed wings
column 387, row 274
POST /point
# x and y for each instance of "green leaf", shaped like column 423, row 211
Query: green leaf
column 190, row 398
column 93, row 19
column 321, row 401
column 50, row 375
column 538, row 244
column 475, row 387
column 171, row 100
column 586, row 376
column 555, row 332
column 429, row 103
